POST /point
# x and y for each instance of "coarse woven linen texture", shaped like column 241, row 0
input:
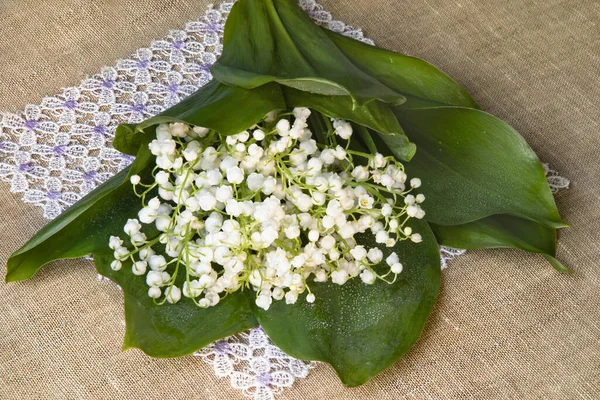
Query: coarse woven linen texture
column 506, row 325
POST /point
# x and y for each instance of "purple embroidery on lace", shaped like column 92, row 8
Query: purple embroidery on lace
column 264, row 379
column 31, row 124
column 222, row 347
column 108, row 83
column 143, row 64
column 59, row 150
column 138, row 108
column 99, row 129
column 70, row 104
column 25, row 167
column 178, row 45
column 54, row 195
column 212, row 28
column 89, row 176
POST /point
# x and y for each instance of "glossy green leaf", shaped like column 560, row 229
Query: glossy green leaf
column 361, row 329
column 557, row 265
column 75, row 233
column 498, row 231
column 127, row 140
column 375, row 115
column 318, row 127
column 474, row 165
column 419, row 81
column 276, row 41
column 226, row 109
column 173, row 330
column 85, row 226
column 395, row 144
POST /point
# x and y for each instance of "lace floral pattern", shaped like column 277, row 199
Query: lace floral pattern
column 556, row 182
column 56, row 152
column 253, row 364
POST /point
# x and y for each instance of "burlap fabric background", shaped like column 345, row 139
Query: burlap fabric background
column 506, row 325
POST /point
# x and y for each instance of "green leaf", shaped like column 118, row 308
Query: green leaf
column 226, row 109
column 361, row 329
column 501, row 231
column 396, row 145
column 557, row 265
column 127, row 140
column 419, row 81
column 375, row 115
column 85, row 226
column 275, row 41
column 317, row 126
column 474, row 165
column 498, row 231
column 75, row 233
column 173, row 330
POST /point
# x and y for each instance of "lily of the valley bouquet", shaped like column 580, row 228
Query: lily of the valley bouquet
column 306, row 188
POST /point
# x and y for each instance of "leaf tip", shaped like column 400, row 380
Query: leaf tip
column 411, row 150
column 128, row 343
column 8, row 278
column 126, row 346
column 14, row 273
column 557, row 265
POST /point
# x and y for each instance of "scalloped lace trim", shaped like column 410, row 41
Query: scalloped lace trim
column 55, row 152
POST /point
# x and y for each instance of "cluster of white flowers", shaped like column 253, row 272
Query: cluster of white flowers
column 268, row 209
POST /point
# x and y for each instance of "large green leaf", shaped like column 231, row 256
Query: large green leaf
column 80, row 230
column 86, row 226
column 375, row 115
column 474, row 165
column 275, row 41
column 361, row 329
column 75, row 233
column 173, row 330
column 226, row 109
column 419, row 81
column 499, row 231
